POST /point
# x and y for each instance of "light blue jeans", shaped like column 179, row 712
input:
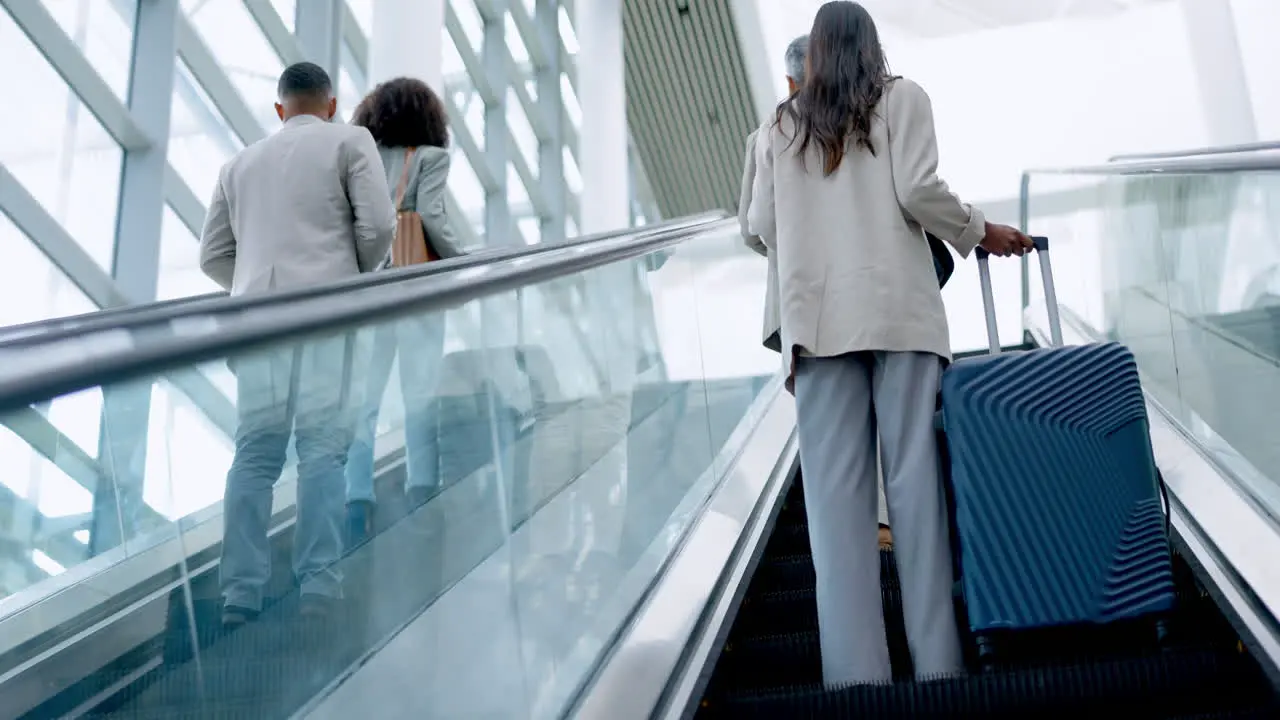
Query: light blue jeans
column 305, row 392
column 419, row 342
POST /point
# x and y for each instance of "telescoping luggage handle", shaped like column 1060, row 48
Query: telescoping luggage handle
column 1050, row 295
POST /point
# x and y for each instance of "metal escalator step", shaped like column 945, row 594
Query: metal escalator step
column 788, row 539
column 1168, row 685
column 784, row 572
column 795, row 572
column 779, row 661
column 771, row 663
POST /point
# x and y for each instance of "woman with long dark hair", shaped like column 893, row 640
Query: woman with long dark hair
column 408, row 122
column 846, row 187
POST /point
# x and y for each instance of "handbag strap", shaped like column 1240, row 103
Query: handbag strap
column 404, row 178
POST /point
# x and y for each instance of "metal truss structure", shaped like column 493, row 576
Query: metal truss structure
column 139, row 102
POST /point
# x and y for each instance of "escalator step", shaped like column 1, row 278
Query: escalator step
column 795, row 572
column 1163, row 686
column 788, row 539
column 795, row 659
column 792, row 611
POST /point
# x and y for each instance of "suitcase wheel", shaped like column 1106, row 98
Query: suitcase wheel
column 987, row 654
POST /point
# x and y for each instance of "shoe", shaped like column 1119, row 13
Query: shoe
column 886, row 538
column 234, row 616
column 316, row 607
column 359, row 523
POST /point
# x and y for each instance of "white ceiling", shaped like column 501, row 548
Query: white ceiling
column 941, row 18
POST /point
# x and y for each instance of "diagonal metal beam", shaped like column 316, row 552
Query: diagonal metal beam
column 529, row 35
column 216, row 83
column 57, row 244
column 42, row 436
column 355, row 38
column 62, row 547
column 470, row 58
column 318, row 29
column 485, row 172
column 537, row 198
column 69, row 62
column 274, row 29
column 189, row 208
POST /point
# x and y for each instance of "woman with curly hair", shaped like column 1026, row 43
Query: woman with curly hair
column 408, row 121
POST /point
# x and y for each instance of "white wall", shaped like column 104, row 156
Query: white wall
column 1257, row 22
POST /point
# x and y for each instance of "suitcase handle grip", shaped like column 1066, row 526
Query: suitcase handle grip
column 1041, row 245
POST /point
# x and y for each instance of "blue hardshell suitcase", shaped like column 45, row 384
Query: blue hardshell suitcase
column 1057, row 502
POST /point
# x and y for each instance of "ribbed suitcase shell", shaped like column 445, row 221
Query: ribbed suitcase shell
column 1058, row 511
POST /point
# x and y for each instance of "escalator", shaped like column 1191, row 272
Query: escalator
column 532, row 409
column 617, row 527
column 770, row 665
column 1145, row 258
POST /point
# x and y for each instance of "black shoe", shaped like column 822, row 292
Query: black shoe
column 234, row 616
column 317, row 607
column 359, row 523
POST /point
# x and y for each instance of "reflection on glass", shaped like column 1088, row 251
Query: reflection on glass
column 1185, row 270
column 46, row 489
column 484, row 490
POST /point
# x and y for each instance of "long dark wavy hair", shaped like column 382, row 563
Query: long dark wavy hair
column 847, row 74
column 404, row 112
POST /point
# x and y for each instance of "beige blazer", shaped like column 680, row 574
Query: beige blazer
column 772, row 320
column 854, row 270
column 304, row 206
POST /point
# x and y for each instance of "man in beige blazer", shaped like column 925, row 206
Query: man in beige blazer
column 307, row 205
column 794, row 59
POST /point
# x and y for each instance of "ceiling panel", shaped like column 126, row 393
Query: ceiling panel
column 689, row 102
column 942, row 18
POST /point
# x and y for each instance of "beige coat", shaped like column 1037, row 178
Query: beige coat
column 304, row 206
column 772, row 320
column 854, row 270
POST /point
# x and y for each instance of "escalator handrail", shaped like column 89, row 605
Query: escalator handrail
column 49, row 367
column 1180, row 165
column 164, row 309
column 1211, row 150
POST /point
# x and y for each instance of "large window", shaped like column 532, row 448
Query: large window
column 67, row 65
column 55, row 147
column 31, row 287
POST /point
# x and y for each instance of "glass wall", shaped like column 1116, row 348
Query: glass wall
column 1184, row 269
column 530, row 477
column 83, row 74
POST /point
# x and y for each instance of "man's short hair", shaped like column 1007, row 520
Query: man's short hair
column 794, row 58
column 304, row 80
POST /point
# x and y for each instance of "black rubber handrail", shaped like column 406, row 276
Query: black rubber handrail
column 61, row 363
column 109, row 317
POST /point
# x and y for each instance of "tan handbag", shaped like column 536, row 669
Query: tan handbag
column 410, row 246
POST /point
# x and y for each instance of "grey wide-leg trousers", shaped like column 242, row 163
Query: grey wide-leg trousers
column 841, row 404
